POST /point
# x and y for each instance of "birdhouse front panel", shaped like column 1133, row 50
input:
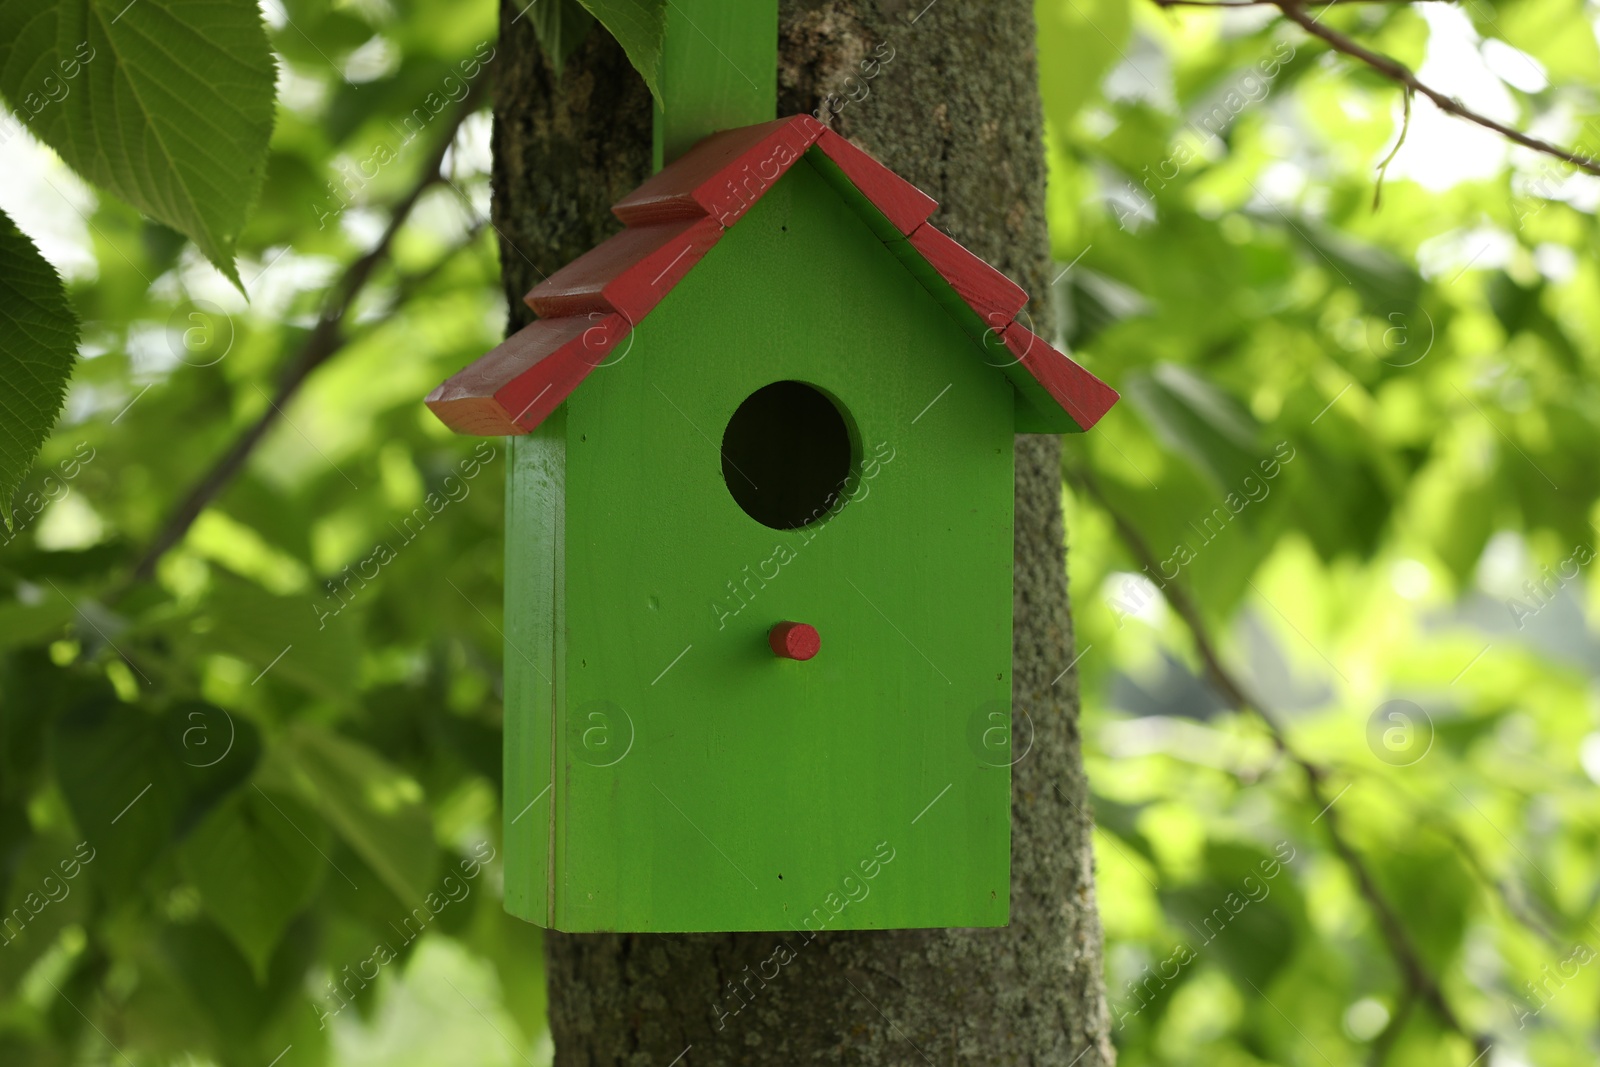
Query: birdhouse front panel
column 796, row 433
column 759, row 554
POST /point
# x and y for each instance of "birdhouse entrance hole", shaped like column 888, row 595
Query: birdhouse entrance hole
column 786, row 454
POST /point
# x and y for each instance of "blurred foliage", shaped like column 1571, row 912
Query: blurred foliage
column 1354, row 436
column 249, row 811
column 169, row 108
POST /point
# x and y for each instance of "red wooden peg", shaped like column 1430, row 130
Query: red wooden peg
column 794, row 640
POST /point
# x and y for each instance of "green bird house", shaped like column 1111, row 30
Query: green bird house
column 759, row 553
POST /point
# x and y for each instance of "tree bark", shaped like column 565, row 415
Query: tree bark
column 956, row 111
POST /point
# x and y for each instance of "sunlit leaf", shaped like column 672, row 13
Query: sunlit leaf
column 1095, row 31
column 166, row 103
column 1200, row 422
column 373, row 806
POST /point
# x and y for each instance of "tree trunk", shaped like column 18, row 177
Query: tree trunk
column 955, row 109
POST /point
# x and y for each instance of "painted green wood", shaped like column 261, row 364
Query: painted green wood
column 864, row 208
column 726, row 788
column 719, row 70
column 535, row 659
column 1036, row 410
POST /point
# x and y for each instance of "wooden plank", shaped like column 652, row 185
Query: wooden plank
column 719, row 70
column 523, row 379
column 590, row 340
column 868, row 212
column 1054, row 394
column 535, row 659
column 1055, row 384
column 1036, row 413
column 944, row 295
column 723, row 175
column 903, row 204
column 995, row 298
column 628, row 274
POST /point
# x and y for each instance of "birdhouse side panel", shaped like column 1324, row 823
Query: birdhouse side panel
column 703, row 782
column 535, row 613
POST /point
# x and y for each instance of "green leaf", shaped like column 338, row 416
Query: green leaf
column 166, row 103
column 255, row 868
column 122, row 781
column 27, row 624
column 562, row 25
column 38, row 342
column 285, row 634
column 1434, row 894
column 1245, row 912
column 373, row 806
column 1087, row 37
column 1197, row 420
column 219, row 752
column 1341, row 502
column 49, row 891
column 1383, row 281
column 640, row 26
column 1555, row 32
column 1093, row 302
column 225, row 1001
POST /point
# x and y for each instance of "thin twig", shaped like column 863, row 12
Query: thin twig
column 326, row 338
column 1507, row 891
column 1413, row 969
column 1176, row 595
column 1383, row 168
column 1398, row 72
column 1543, row 923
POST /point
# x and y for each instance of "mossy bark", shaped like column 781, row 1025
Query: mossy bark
column 952, row 103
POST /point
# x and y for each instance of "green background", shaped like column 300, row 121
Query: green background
column 318, row 765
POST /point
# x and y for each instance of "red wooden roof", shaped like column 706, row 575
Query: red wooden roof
column 586, row 308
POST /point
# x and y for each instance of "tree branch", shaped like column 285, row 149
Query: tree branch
column 1399, row 73
column 1394, row 70
column 326, row 338
column 1418, row 979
